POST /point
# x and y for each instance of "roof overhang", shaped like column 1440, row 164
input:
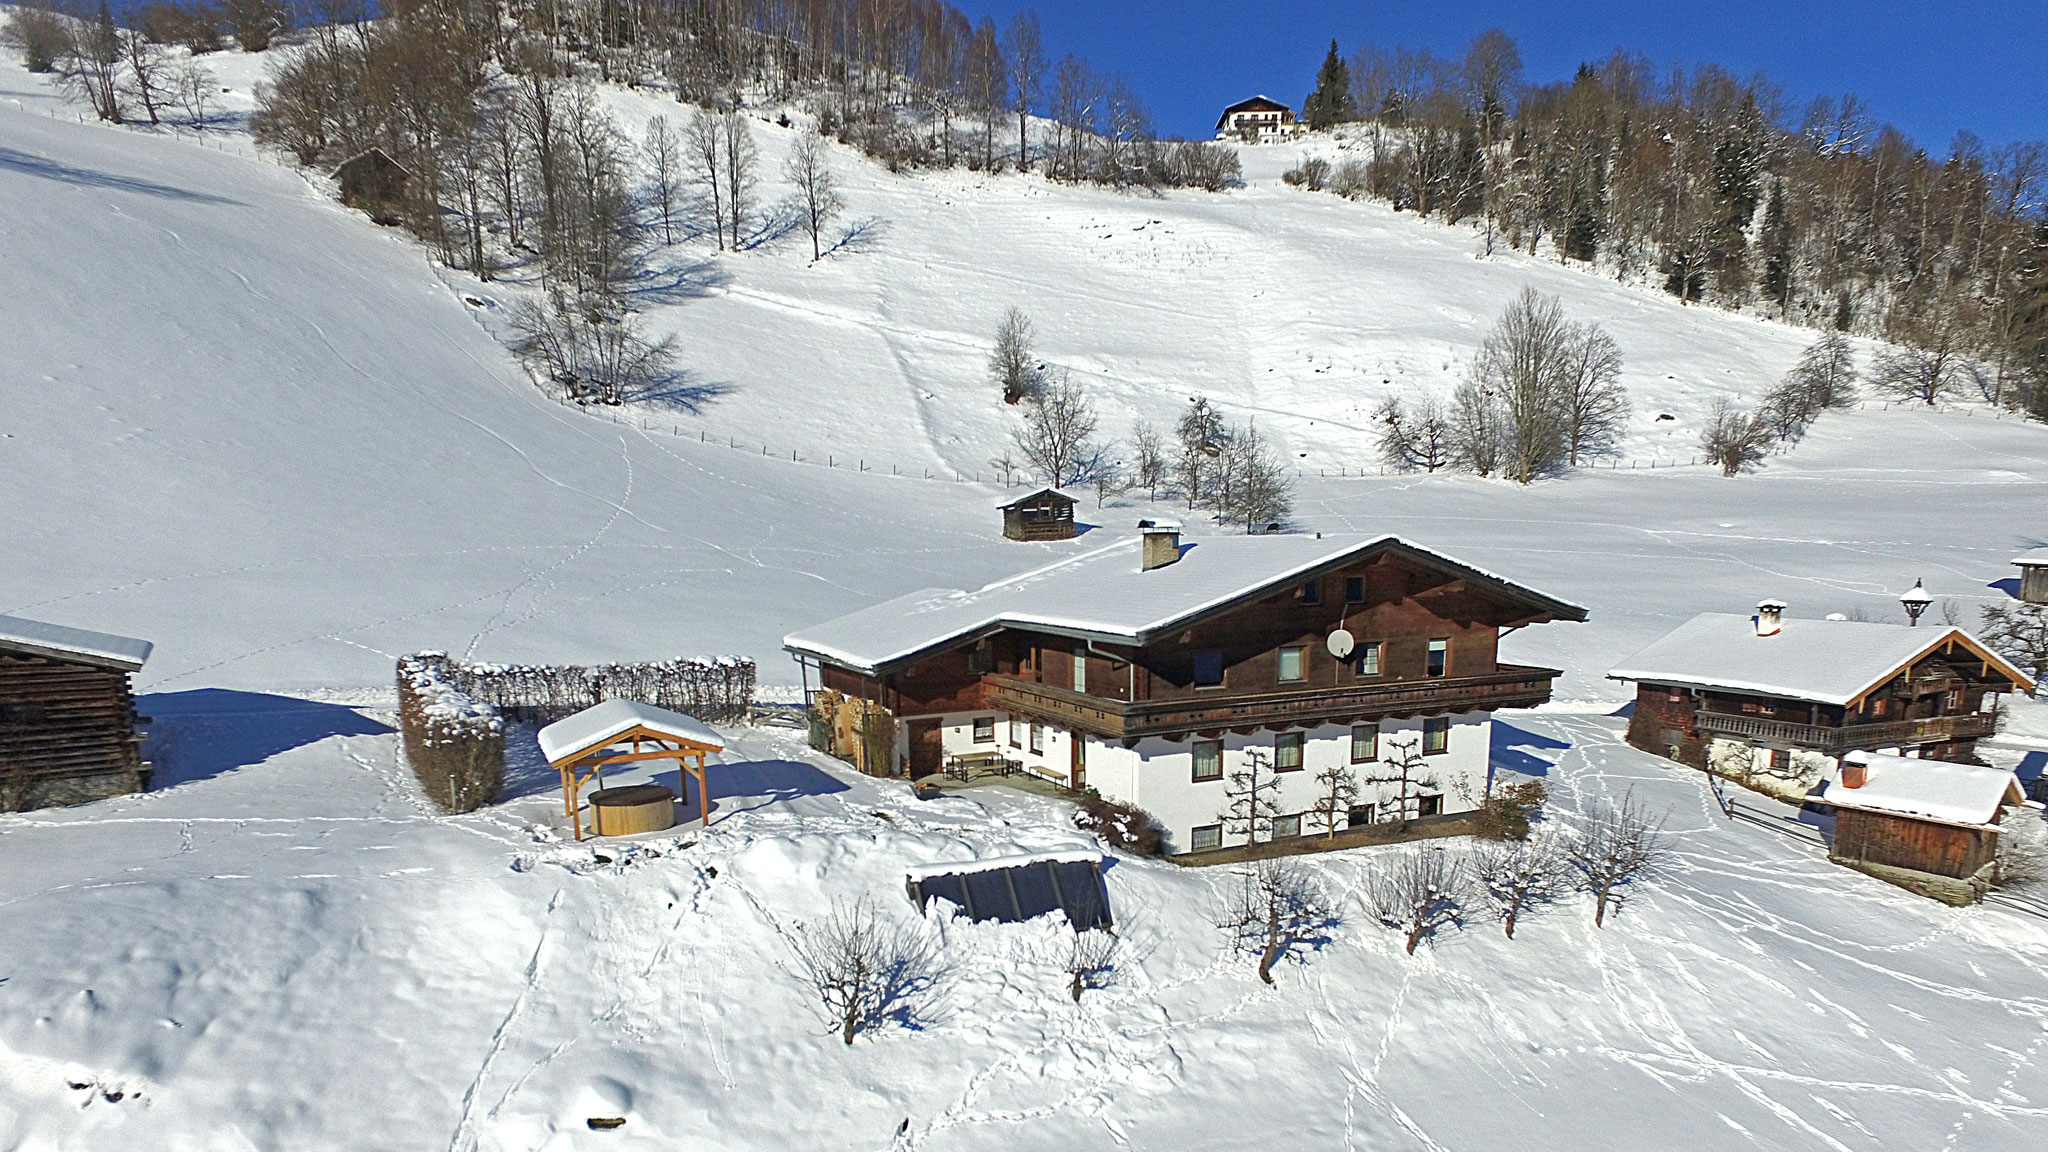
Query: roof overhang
column 2021, row 681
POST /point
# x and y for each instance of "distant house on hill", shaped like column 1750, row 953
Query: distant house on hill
column 375, row 183
column 1775, row 699
column 1162, row 674
column 1923, row 824
column 1257, row 119
column 1047, row 514
column 67, row 715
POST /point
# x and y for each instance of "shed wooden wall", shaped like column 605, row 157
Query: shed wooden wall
column 67, row 733
column 1902, row 842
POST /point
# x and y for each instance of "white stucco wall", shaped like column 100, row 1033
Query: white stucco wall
column 1157, row 775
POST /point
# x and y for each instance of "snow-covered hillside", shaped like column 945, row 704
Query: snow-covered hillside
column 243, row 422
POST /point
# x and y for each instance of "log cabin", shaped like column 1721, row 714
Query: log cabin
column 1774, row 701
column 1921, row 823
column 1047, row 514
column 2033, row 568
column 1153, row 669
column 67, row 715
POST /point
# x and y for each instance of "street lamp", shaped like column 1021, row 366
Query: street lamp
column 1915, row 601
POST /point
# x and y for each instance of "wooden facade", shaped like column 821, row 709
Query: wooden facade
column 68, row 730
column 1047, row 514
column 1934, row 705
column 375, row 183
column 1396, row 605
column 1895, row 841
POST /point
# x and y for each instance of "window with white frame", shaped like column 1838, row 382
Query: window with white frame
column 1439, row 657
column 1080, row 669
column 1206, row 837
column 1037, row 738
column 1368, row 662
column 1016, row 736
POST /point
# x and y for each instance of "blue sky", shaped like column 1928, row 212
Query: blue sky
column 1930, row 68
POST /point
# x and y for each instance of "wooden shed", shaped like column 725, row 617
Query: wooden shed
column 372, row 181
column 1047, row 514
column 1933, row 818
column 2033, row 568
column 67, row 715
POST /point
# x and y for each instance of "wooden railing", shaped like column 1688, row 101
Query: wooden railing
column 1512, row 686
column 1825, row 739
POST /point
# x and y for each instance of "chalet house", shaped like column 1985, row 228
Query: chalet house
column 1152, row 670
column 1925, row 824
column 1257, row 119
column 1765, row 698
column 67, row 715
column 1047, row 514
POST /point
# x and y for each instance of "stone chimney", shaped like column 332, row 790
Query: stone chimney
column 1162, row 543
column 1770, row 616
column 1855, row 769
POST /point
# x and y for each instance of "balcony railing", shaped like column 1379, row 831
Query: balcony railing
column 1510, row 687
column 1933, row 729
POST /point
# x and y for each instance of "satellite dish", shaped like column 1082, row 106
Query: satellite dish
column 1341, row 644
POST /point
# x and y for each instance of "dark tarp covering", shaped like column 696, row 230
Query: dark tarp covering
column 1024, row 891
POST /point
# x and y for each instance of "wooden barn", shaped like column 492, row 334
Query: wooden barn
column 1047, row 514
column 67, row 715
column 2033, row 568
column 1928, row 825
column 375, row 183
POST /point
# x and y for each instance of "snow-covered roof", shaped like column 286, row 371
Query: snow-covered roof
column 1824, row 661
column 1069, row 497
column 1103, row 595
column 39, row 639
column 1935, row 790
column 2037, row 558
column 600, row 724
column 918, row 873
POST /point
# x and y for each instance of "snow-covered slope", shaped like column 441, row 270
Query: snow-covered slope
column 245, row 424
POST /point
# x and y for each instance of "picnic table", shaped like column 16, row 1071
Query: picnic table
column 964, row 766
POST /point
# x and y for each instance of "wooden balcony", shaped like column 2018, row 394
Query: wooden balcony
column 1820, row 738
column 1512, row 686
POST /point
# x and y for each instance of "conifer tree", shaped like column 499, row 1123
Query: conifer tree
column 1330, row 104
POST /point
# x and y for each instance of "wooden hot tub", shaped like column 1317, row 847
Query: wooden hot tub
column 634, row 808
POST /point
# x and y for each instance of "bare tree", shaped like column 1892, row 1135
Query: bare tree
column 1200, row 439
column 596, row 356
column 1517, row 372
column 193, row 86
column 1090, row 961
column 1254, row 485
column 1024, row 51
column 1409, row 441
column 1478, row 428
column 1148, row 459
column 1013, row 365
column 1403, row 766
column 2018, row 632
column 1516, row 875
column 664, row 152
column 255, row 22
column 865, row 972
column 1735, row 440
column 148, row 77
column 1590, row 392
column 1250, row 797
column 1058, row 433
column 1619, row 844
column 1932, row 354
column 1336, row 792
column 707, row 156
column 1825, row 376
column 817, row 190
column 1423, row 892
column 37, row 32
column 1278, row 910
column 90, row 66
column 740, row 158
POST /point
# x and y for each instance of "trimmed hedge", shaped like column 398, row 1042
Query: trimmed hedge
column 454, row 742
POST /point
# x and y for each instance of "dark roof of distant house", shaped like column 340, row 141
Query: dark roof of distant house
column 1037, row 498
column 370, row 157
column 1105, row 595
column 1259, row 103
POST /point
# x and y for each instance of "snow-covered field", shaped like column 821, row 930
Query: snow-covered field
column 242, row 422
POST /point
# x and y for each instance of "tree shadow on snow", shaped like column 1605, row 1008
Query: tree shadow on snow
column 2033, row 774
column 48, row 169
column 862, row 235
column 678, row 282
column 203, row 733
column 681, row 390
column 760, row 783
column 1509, row 750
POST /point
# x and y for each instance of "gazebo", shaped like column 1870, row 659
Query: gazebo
column 624, row 732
